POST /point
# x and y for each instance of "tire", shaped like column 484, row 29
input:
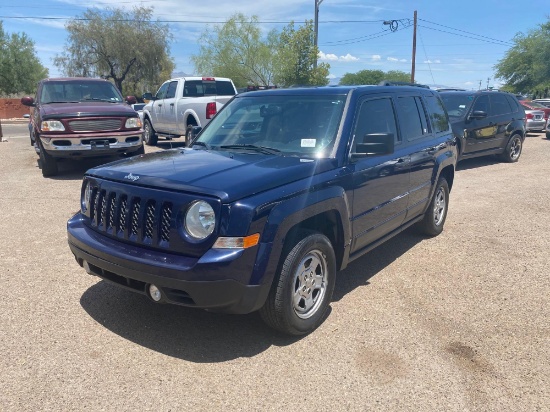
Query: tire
column 301, row 294
column 513, row 149
column 140, row 151
column 434, row 218
column 48, row 164
column 150, row 138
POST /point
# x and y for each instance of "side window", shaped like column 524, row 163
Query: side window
column 412, row 117
column 481, row 104
column 171, row 91
column 191, row 88
column 438, row 114
column 224, row 88
column 162, row 91
column 499, row 104
column 375, row 116
column 513, row 103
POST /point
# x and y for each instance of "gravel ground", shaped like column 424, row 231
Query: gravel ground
column 459, row 322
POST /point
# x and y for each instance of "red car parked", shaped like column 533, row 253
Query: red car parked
column 531, row 105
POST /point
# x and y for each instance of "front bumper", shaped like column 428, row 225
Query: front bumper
column 205, row 283
column 92, row 144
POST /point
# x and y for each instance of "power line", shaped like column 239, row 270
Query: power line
column 467, row 32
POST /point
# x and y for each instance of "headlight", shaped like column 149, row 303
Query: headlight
column 52, row 126
column 200, row 220
column 132, row 123
column 86, row 196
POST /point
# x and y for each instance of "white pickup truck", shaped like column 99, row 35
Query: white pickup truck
column 182, row 103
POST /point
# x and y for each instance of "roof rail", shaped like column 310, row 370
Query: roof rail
column 390, row 83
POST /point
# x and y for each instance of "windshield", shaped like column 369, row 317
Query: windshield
column 75, row 91
column 284, row 125
column 457, row 104
column 534, row 104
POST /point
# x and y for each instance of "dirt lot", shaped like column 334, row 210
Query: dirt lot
column 455, row 323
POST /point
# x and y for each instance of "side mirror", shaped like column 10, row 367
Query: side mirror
column 195, row 130
column 478, row 114
column 375, row 144
column 148, row 96
column 131, row 100
column 27, row 101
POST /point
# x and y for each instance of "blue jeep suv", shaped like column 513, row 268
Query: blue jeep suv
column 280, row 191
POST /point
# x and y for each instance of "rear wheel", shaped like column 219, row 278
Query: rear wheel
column 513, row 149
column 48, row 164
column 149, row 136
column 434, row 218
column 300, row 296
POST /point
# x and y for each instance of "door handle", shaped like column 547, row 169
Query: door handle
column 171, row 104
column 160, row 105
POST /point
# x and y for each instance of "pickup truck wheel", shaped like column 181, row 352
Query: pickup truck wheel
column 513, row 149
column 48, row 165
column 300, row 296
column 149, row 136
column 434, row 218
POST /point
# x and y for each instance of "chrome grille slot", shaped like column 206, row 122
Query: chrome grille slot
column 111, row 211
column 165, row 222
column 101, row 208
column 122, row 215
column 95, row 125
column 149, row 220
column 134, row 217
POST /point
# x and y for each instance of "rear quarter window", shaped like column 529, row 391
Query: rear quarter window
column 438, row 114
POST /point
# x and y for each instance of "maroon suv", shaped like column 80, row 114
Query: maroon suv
column 82, row 117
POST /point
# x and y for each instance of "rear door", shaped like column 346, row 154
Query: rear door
column 380, row 182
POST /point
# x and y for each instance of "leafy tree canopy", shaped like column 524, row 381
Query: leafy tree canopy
column 20, row 69
column 125, row 46
column 374, row 77
column 526, row 66
column 237, row 50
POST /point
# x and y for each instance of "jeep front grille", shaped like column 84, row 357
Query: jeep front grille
column 98, row 125
column 139, row 220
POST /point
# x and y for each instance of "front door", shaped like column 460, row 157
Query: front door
column 380, row 182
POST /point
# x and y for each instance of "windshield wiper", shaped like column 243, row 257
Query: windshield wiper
column 201, row 144
column 261, row 149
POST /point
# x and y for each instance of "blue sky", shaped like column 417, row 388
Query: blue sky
column 458, row 42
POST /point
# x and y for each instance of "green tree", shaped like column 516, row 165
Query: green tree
column 125, row 46
column 20, row 69
column 526, row 65
column 374, row 77
column 296, row 57
column 236, row 50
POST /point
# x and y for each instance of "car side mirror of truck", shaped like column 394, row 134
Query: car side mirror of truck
column 131, row 100
column 195, row 130
column 27, row 101
column 148, row 96
column 375, row 144
column 478, row 114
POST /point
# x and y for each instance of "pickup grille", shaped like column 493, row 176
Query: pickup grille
column 145, row 221
column 99, row 125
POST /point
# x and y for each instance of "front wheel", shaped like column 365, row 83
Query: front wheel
column 434, row 218
column 48, row 164
column 513, row 149
column 149, row 136
column 300, row 296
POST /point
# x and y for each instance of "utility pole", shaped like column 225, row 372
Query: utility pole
column 414, row 50
column 315, row 35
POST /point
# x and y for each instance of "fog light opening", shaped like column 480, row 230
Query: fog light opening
column 155, row 293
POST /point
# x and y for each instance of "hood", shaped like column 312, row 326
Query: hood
column 85, row 109
column 227, row 175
